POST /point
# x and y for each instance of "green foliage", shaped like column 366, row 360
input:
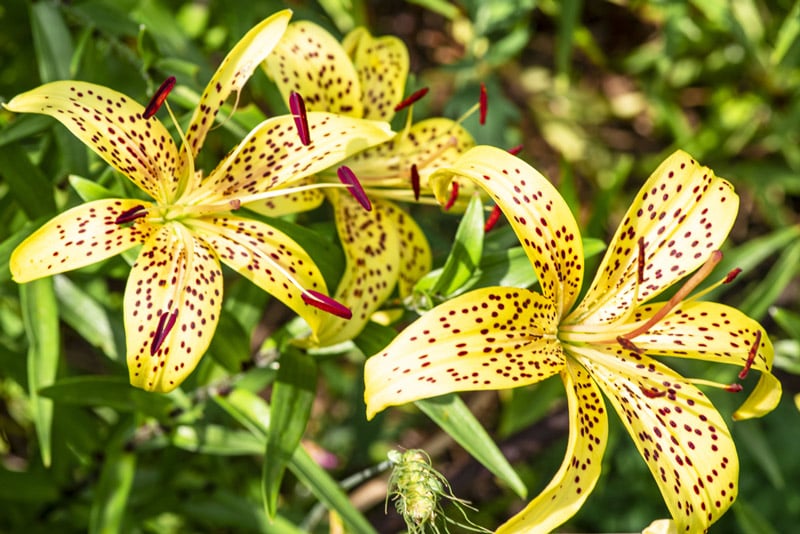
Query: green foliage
column 596, row 93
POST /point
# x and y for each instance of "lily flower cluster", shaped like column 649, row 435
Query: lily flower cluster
column 336, row 145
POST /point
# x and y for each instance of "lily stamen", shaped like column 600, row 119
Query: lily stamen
column 159, row 97
column 514, row 150
column 453, row 196
column 653, row 393
column 349, row 178
column 484, row 105
column 298, row 108
column 494, row 216
column 413, row 98
column 131, row 215
column 326, row 303
column 700, row 275
column 415, row 181
column 751, row 356
column 165, row 324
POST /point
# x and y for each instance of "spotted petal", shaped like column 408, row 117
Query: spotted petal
column 580, row 470
column 232, row 74
column 415, row 253
column 490, row 338
column 267, row 257
column 78, row 237
column 311, row 62
column 271, row 155
column 112, row 125
column 714, row 332
column 382, row 65
column 683, row 213
column 676, row 429
column 537, row 212
column 290, row 200
column 371, row 246
column 172, row 305
column 429, row 144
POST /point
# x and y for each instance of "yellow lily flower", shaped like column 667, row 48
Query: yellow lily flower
column 365, row 77
column 610, row 343
column 174, row 293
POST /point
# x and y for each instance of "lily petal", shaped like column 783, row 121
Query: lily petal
column 267, row 257
column 537, row 212
column 310, row 61
column 683, row 213
column 272, row 155
column 232, row 74
column 382, row 66
column 78, row 237
column 414, row 250
column 718, row 333
column 677, row 430
column 370, row 245
column 111, row 124
column 580, row 470
column 428, row 144
column 172, row 304
column 287, row 203
column 490, row 338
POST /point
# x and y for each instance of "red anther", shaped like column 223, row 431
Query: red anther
column 652, row 393
column 733, row 388
column 159, row 98
column 751, row 356
column 415, row 96
column 165, row 324
column 493, row 218
column 731, row 275
column 627, row 344
column 640, row 262
column 514, row 150
column 298, row 109
column 453, row 197
column 327, row 304
column 348, row 178
column 415, row 181
column 130, row 215
column 484, row 105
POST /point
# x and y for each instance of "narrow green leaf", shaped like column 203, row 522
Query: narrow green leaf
column 216, row 440
column 86, row 316
column 111, row 391
column 787, row 35
column 244, row 406
column 374, row 338
column 114, row 486
column 750, row 435
column 750, row 520
column 453, row 416
column 773, row 285
column 89, row 190
column 29, row 186
column 7, row 247
column 24, row 126
column 51, row 41
column 466, row 252
column 230, row 346
column 40, row 315
column 29, row 486
column 788, row 320
column 570, row 11
column 292, row 397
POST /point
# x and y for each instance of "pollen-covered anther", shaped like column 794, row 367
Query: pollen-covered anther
column 165, row 324
column 415, row 185
column 326, row 303
column 159, row 97
column 414, row 97
column 494, row 216
column 484, row 105
column 733, row 388
column 453, row 196
column 298, row 109
column 731, row 275
column 627, row 344
column 751, row 356
column 131, row 215
column 349, row 178
column 652, row 393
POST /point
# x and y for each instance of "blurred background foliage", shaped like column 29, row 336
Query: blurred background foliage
column 597, row 93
